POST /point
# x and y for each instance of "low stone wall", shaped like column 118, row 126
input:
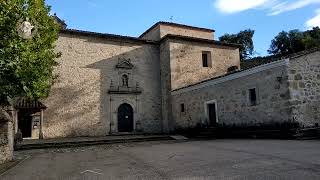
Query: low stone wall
column 6, row 138
column 287, row 91
column 231, row 96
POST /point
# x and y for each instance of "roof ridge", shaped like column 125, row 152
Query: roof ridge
column 199, row 39
column 229, row 74
column 258, row 61
column 98, row 34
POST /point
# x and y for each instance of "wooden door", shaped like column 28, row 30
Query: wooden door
column 125, row 118
column 212, row 114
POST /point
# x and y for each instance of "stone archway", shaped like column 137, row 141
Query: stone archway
column 125, row 118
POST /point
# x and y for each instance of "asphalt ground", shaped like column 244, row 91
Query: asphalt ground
column 212, row 159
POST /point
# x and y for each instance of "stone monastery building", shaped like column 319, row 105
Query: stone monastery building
column 173, row 76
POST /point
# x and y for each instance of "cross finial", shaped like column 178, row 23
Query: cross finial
column 171, row 18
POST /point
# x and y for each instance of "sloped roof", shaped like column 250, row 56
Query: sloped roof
column 194, row 39
column 258, row 61
column 24, row 103
column 106, row 35
column 61, row 22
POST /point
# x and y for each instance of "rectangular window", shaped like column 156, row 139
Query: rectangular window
column 182, row 108
column 253, row 96
column 205, row 60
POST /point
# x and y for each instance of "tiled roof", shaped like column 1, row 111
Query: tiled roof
column 138, row 40
column 105, row 35
column 60, row 21
column 193, row 39
column 257, row 61
column 24, row 103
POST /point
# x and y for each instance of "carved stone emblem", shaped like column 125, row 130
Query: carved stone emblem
column 124, row 64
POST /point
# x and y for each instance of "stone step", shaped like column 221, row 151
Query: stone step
column 308, row 138
column 91, row 142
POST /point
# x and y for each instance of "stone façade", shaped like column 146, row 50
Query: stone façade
column 80, row 105
column 161, row 70
column 287, row 91
column 85, row 98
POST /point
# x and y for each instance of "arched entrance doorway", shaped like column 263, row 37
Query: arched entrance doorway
column 125, row 118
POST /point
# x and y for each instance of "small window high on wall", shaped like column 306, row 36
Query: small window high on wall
column 253, row 97
column 182, row 108
column 206, row 59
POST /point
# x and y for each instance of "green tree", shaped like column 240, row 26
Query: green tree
column 287, row 42
column 312, row 38
column 26, row 65
column 294, row 41
column 243, row 38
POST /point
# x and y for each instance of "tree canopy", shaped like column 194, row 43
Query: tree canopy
column 26, row 65
column 243, row 38
column 294, row 41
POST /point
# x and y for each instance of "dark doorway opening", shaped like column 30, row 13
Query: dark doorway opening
column 28, row 109
column 25, row 123
column 125, row 118
column 212, row 114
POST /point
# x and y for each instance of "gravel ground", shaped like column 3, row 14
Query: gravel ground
column 216, row 159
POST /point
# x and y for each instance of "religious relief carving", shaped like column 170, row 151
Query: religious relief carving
column 125, row 83
column 124, row 88
column 125, row 80
column 25, row 29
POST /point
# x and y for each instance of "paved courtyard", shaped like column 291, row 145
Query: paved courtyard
column 216, row 159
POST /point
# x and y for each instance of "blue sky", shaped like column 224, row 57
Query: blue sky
column 133, row 17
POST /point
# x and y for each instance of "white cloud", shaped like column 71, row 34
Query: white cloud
column 286, row 6
column 233, row 6
column 314, row 22
column 274, row 7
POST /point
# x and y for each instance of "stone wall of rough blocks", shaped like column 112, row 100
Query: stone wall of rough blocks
column 232, row 100
column 6, row 142
column 182, row 31
column 162, row 30
column 79, row 103
column 304, row 79
column 186, row 62
column 165, row 86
